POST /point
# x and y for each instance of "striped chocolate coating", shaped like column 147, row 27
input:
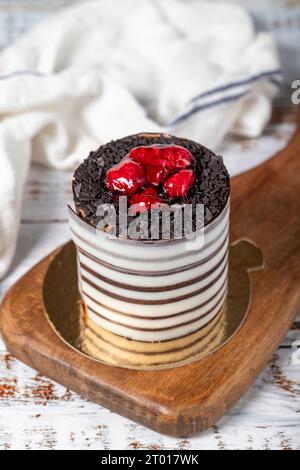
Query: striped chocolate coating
column 108, row 347
column 155, row 291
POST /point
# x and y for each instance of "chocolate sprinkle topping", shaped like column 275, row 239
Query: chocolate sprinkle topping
column 211, row 188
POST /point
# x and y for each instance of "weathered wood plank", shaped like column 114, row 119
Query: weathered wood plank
column 36, row 413
column 35, row 242
column 18, row 16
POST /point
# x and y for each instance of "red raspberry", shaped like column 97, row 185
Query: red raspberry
column 178, row 185
column 155, row 174
column 145, row 155
column 177, row 158
column 143, row 201
column 161, row 160
column 126, row 177
column 155, row 165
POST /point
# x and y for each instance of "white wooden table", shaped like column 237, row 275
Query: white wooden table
column 36, row 413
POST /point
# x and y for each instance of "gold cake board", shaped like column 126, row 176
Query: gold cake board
column 68, row 318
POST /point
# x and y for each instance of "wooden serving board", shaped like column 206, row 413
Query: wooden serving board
column 265, row 207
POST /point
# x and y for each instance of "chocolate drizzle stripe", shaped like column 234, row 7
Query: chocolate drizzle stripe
column 155, row 289
column 130, row 258
column 170, row 351
column 183, row 312
column 165, row 328
column 154, row 302
column 134, row 272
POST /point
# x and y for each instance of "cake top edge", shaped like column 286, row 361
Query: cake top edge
column 206, row 179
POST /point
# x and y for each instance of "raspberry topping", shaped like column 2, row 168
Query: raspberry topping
column 126, row 177
column 155, row 174
column 146, row 172
column 161, row 160
column 144, row 201
column 177, row 186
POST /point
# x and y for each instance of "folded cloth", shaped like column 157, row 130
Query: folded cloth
column 104, row 69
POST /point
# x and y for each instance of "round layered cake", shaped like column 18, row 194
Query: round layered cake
column 150, row 226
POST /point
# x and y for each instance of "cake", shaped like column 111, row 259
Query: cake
column 149, row 299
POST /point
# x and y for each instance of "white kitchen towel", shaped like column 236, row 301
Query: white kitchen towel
column 105, row 69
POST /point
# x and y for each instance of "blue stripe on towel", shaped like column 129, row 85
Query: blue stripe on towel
column 18, row 73
column 226, row 98
column 198, row 108
column 276, row 82
column 238, row 83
